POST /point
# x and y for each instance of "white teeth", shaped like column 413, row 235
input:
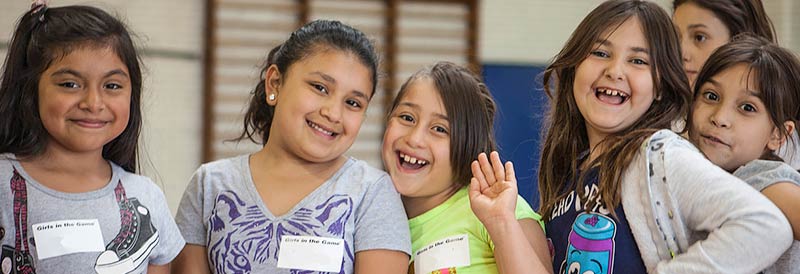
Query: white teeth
column 315, row 126
column 611, row 92
column 412, row 160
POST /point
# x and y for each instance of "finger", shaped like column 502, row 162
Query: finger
column 497, row 166
column 486, row 167
column 511, row 176
column 477, row 173
column 474, row 188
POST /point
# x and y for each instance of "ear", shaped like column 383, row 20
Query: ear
column 272, row 83
column 777, row 139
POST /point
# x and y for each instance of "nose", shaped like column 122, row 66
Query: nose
column 615, row 71
column 721, row 118
column 416, row 137
column 92, row 100
column 685, row 56
column 332, row 110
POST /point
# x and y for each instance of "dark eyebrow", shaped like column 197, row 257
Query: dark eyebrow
column 695, row 26
column 332, row 80
column 604, row 42
column 79, row 75
column 67, row 71
column 325, row 77
column 417, row 108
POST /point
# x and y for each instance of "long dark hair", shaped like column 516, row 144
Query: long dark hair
column 739, row 16
column 316, row 36
column 566, row 137
column 41, row 38
column 776, row 76
column 470, row 110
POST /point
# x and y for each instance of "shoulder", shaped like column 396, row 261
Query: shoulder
column 360, row 171
column 763, row 173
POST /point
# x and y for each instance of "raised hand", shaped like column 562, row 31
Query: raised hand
column 493, row 189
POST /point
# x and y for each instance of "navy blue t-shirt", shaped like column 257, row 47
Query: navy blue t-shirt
column 594, row 241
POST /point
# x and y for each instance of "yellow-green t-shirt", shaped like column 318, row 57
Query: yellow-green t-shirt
column 454, row 217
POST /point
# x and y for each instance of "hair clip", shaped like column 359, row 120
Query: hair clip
column 39, row 6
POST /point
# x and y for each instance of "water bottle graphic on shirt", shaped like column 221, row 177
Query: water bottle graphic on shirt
column 591, row 245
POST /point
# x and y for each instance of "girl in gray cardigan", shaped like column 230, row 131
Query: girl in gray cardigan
column 745, row 108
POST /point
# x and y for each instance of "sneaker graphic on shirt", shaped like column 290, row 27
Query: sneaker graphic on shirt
column 18, row 259
column 136, row 238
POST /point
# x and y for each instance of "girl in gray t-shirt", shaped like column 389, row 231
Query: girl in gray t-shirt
column 70, row 117
column 298, row 205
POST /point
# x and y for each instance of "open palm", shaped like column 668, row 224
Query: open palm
column 493, row 188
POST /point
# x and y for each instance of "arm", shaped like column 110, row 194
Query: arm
column 786, row 196
column 493, row 196
column 746, row 232
column 192, row 259
column 381, row 261
column 158, row 269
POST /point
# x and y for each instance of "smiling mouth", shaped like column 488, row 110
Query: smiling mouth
column 611, row 96
column 410, row 162
column 90, row 123
column 320, row 129
column 715, row 140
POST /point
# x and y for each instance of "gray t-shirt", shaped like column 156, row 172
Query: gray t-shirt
column 222, row 211
column 760, row 174
column 130, row 213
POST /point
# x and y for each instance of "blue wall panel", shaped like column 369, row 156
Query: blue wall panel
column 522, row 107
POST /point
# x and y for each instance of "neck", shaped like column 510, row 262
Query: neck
column 283, row 167
column 69, row 171
column 57, row 159
column 416, row 206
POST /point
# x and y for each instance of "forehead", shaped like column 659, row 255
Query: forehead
column 691, row 13
column 740, row 78
column 91, row 57
column 423, row 93
column 344, row 66
column 629, row 33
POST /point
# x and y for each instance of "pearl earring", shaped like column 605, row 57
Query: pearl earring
column 272, row 97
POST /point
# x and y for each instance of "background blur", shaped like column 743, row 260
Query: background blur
column 202, row 59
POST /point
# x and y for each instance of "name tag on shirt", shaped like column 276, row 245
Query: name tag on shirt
column 66, row 237
column 311, row 253
column 445, row 253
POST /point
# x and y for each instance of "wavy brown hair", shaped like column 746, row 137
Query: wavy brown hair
column 776, row 76
column 567, row 137
column 739, row 16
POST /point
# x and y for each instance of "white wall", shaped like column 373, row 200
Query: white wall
column 532, row 31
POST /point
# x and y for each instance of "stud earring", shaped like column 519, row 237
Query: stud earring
column 272, row 97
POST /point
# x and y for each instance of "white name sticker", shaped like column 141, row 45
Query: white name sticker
column 66, row 237
column 311, row 253
column 445, row 253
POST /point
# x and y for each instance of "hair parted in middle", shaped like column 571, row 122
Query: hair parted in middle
column 566, row 137
column 313, row 37
column 470, row 109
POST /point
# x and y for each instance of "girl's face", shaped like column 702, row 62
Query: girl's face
column 701, row 33
column 84, row 100
column 416, row 145
column 613, row 86
column 320, row 105
column 730, row 124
